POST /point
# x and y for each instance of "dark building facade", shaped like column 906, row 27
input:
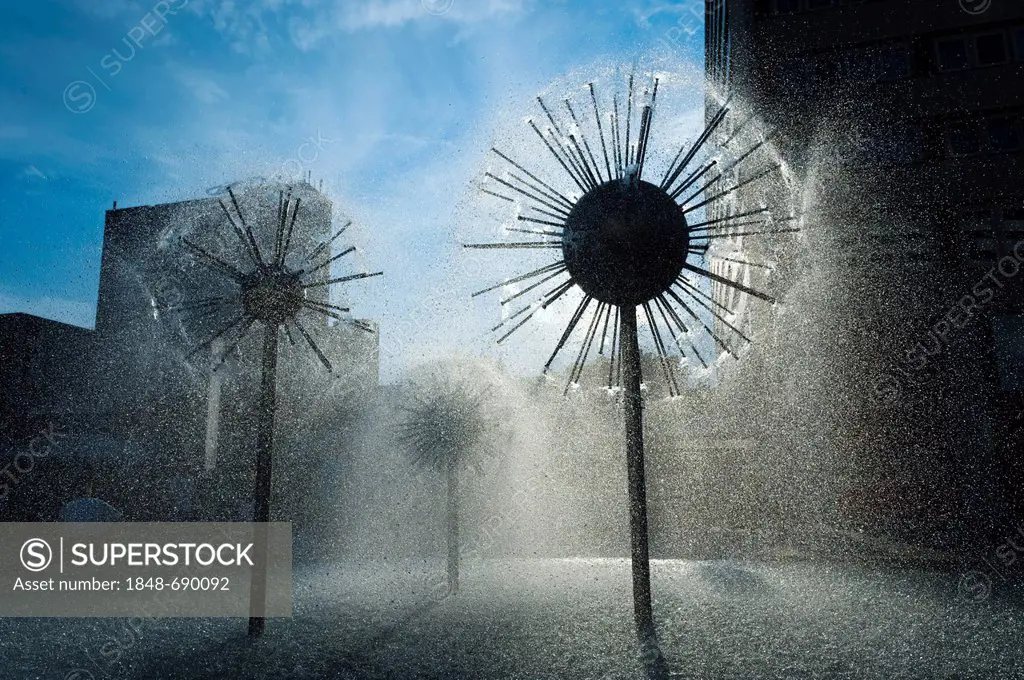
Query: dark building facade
column 145, row 422
column 903, row 123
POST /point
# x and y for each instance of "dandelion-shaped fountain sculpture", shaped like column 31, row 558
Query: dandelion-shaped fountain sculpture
column 270, row 292
column 626, row 243
column 441, row 432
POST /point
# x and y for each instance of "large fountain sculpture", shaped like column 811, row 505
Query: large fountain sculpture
column 632, row 242
column 269, row 291
column 442, row 432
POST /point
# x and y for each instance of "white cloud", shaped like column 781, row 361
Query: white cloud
column 202, row 86
column 691, row 11
column 31, row 173
column 166, row 40
column 108, row 9
column 308, row 23
column 392, row 13
column 244, row 24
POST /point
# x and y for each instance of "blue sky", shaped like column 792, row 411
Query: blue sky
column 405, row 96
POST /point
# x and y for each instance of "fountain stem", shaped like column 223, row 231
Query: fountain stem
column 264, row 466
column 637, row 484
column 453, row 525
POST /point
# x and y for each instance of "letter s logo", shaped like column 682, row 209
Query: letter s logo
column 36, row 554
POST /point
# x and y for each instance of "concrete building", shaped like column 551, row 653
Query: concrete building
column 40, row 366
column 904, row 125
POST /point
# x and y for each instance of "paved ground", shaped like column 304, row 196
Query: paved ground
column 557, row 619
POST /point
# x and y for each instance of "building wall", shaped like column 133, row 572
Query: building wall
column 903, row 122
column 41, row 362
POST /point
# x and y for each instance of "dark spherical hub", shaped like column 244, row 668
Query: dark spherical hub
column 274, row 296
column 625, row 242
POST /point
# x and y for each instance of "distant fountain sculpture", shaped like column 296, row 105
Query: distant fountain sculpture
column 268, row 291
column 630, row 241
column 442, row 431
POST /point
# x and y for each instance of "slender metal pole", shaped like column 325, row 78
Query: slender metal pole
column 631, row 376
column 264, row 466
column 453, row 526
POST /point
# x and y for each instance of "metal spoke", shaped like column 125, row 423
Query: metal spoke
column 213, row 260
column 517, row 279
column 697, row 227
column 568, row 329
column 715, row 314
column 719, row 341
column 248, row 230
column 524, row 291
column 521, row 244
column 729, row 282
column 254, row 255
column 739, row 186
column 522, row 191
column 733, row 234
column 666, row 307
column 597, row 167
column 342, row 279
column 538, row 180
column 600, row 131
column 581, row 359
column 216, row 336
column 312, row 344
column 337, row 257
column 674, row 170
column 326, row 244
column 572, row 175
column 693, row 178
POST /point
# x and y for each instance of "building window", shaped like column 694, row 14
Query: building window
column 787, row 6
column 800, row 72
column 1012, row 223
column 1004, row 133
column 1008, row 331
column 952, row 54
column 859, row 65
column 894, row 62
column 896, row 144
column 979, row 238
column 819, row 4
column 910, row 145
column 891, row 62
column 963, row 138
column 990, row 49
column 982, row 249
column 1018, row 41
